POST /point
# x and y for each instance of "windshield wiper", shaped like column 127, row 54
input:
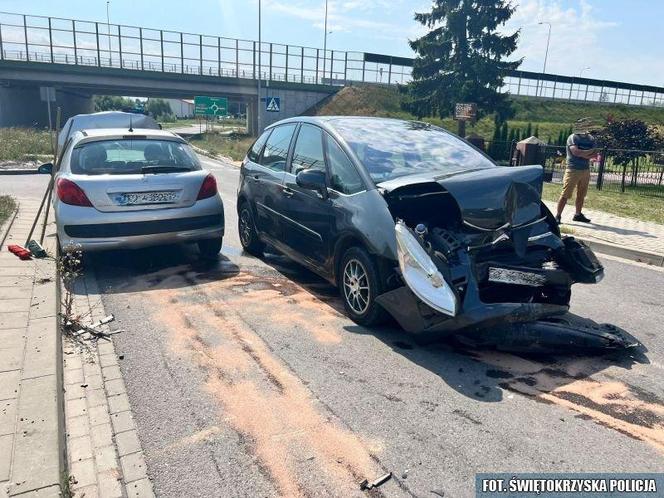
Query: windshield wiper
column 164, row 169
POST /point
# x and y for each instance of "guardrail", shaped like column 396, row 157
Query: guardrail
column 89, row 43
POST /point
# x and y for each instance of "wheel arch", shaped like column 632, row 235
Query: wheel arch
column 349, row 240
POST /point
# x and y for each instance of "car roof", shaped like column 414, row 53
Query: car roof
column 96, row 134
column 327, row 120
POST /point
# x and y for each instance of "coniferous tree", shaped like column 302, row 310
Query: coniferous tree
column 461, row 58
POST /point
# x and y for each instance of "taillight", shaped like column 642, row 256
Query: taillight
column 70, row 193
column 208, row 189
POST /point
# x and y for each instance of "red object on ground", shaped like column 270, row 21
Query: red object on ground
column 21, row 252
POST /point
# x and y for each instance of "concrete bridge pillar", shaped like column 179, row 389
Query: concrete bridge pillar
column 22, row 106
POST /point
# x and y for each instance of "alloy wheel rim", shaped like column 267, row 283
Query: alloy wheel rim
column 245, row 227
column 356, row 286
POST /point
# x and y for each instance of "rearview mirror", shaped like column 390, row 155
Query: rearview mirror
column 312, row 179
column 45, row 169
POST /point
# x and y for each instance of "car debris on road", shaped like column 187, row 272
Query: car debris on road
column 366, row 485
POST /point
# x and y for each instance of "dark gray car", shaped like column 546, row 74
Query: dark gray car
column 409, row 219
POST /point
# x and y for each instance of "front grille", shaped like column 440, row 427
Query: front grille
column 109, row 230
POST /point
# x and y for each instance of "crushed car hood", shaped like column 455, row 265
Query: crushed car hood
column 490, row 198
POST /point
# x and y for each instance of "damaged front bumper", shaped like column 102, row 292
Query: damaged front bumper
column 446, row 296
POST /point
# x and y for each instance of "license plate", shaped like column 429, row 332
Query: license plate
column 136, row 198
column 516, row 277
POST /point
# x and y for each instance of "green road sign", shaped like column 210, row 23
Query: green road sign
column 210, row 106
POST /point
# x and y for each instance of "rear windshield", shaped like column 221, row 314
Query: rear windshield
column 132, row 156
column 389, row 148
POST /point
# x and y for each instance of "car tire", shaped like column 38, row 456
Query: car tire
column 209, row 248
column 247, row 231
column 359, row 284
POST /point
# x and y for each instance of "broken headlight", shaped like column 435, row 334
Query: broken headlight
column 421, row 274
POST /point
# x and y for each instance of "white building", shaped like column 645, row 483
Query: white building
column 181, row 108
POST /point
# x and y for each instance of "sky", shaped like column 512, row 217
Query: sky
column 605, row 39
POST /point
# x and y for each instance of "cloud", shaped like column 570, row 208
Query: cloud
column 343, row 15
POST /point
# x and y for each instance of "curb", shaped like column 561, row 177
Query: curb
column 19, row 171
column 8, row 224
column 622, row 251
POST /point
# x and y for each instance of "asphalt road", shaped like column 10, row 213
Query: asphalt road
column 246, row 380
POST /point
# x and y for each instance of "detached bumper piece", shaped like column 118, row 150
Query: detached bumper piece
column 492, row 302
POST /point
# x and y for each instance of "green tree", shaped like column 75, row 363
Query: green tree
column 461, row 58
column 529, row 130
column 158, row 108
column 112, row 103
column 632, row 136
column 536, row 133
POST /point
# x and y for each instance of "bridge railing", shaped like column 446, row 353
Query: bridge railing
column 70, row 41
column 87, row 43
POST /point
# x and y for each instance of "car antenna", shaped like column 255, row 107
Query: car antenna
column 131, row 128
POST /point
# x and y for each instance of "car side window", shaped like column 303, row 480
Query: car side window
column 255, row 151
column 276, row 148
column 308, row 151
column 344, row 177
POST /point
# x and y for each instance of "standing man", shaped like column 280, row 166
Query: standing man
column 580, row 149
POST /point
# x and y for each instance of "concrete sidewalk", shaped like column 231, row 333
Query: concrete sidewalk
column 616, row 235
column 31, row 421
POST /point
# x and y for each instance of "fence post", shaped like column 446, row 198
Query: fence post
column 271, row 77
column 140, row 35
column 331, row 65
column 600, row 171
column 389, row 72
column 50, row 39
column 286, row 75
column 181, row 53
column 317, row 55
column 200, row 52
column 120, row 45
column 73, row 29
column 622, row 183
column 237, row 59
column 345, row 68
column 364, row 63
column 25, row 34
column 301, row 64
column 254, row 56
column 219, row 56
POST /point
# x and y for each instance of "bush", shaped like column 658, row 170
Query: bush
column 19, row 144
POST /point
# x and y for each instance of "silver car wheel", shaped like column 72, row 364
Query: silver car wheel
column 245, row 227
column 356, row 286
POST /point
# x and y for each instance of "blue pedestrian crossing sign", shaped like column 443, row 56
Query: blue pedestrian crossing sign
column 272, row 104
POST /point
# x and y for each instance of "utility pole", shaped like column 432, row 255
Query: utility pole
column 546, row 54
column 258, row 98
column 108, row 32
column 325, row 42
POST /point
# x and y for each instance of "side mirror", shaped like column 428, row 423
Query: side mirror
column 312, row 179
column 45, row 169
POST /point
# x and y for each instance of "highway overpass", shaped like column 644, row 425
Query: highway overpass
column 82, row 58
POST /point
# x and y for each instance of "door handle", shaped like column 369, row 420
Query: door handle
column 288, row 192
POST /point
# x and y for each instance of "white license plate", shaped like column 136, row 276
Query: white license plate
column 135, row 198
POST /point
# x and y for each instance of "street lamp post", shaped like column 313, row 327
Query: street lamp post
column 546, row 54
column 258, row 95
column 108, row 32
column 325, row 42
column 580, row 74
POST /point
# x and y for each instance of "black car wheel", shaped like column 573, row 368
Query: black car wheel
column 360, row 283
column 247, row 230
column 209, row 248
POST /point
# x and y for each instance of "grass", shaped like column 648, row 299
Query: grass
column 234, row 146
column 7, row 206
column 23, row 144
column 628, row 204
column 549, row 116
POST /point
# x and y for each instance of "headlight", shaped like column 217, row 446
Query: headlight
column 421, row 274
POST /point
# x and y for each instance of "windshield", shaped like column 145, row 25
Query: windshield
column 133, row 156
column 391, row 148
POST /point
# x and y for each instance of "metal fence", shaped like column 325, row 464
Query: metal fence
column 618, row 170
column 75, row 42
column 70, row 41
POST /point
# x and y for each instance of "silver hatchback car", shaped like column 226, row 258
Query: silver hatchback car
column 120, row 188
